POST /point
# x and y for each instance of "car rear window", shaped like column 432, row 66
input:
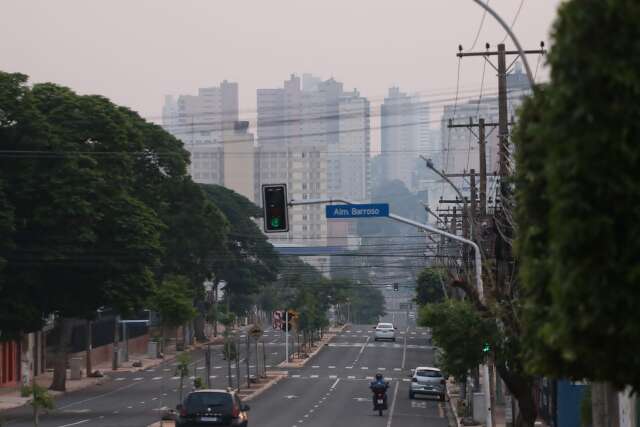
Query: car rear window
column 199, row 402
column 385, row 326
column 428, row 373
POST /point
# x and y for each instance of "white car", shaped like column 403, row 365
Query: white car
column 384, row 331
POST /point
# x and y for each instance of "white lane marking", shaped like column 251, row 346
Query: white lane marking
column 315, row 367
column 98, row 396
column 333, row 377
column 154, row 398
column 393, row 405
column 348, row 367
column 166, row 369
column 213, row 376
column 156, row 378
column 314, row 376
column 351, row 377
column 138, row 379
column 404, row 351
column 335, row 384
column 332, row 367
column 175, row 378
column 406, row 380
column 397, row 369
column 295, row 376
column 364, row 367
column 382, row 369
column 75, row 424
column 120, row 379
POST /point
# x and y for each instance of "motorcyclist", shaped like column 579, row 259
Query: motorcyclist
column 379, row 385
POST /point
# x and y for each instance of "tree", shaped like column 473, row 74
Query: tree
column 460, row 332
column 40, row 399
column 429, row 287
column 173, row 301
column 579, row 196
column 250, row 261
column 77, row 221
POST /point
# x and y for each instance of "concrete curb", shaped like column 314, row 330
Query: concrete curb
column 278, row 376
column 454, row 421
column 329, row 336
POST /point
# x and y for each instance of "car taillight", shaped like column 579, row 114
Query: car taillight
column 414, row 380
column 235, row 412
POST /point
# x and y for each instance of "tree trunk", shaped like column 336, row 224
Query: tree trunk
column 521, row 388
column 60, row 365
column 198, row 327
column 87, row 347
column 604, row 404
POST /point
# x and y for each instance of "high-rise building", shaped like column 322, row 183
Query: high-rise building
column 405, row 135
column 221, row 147
column 314, row 137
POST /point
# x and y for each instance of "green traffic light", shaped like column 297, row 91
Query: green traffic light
column 275, row 222
column 486, row 348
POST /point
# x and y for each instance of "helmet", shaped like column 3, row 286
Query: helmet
column 378, row 376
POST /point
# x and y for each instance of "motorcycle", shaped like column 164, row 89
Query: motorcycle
column 380, row 402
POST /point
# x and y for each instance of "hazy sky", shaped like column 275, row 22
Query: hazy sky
column 135, row 51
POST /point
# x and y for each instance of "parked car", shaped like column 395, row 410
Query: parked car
column 384, row 331
column 211, row 407
column 427, row 381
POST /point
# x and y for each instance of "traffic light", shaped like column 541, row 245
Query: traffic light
column 274, row 201
column 395, row 286
column 292, row 317
column 486, row 347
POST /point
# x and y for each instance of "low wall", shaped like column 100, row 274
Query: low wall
column 103, row 354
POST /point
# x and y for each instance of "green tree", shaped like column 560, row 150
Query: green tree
column 429, row 287
column 40, row 399
column 173, row 301
column 250, row 262
column 77, row 221
column 460, row 332
column 579, row 195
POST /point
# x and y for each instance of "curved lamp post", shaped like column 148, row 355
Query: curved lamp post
column 513, row 38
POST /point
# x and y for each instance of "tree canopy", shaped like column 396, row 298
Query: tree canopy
column 578, row 198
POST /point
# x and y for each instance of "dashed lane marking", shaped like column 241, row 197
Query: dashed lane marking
column 156, row 378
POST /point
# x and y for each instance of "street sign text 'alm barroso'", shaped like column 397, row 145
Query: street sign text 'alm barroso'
column 374, row 210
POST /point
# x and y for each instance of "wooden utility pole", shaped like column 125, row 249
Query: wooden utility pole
column 482, row 146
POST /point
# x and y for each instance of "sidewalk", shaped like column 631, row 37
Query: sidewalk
column 10, row 397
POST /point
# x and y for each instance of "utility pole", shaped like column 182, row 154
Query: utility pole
column 482, row 148
column 502, row 252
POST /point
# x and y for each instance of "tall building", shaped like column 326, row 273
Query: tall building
column 221, row 147
column 314, row 137
column 405, row 135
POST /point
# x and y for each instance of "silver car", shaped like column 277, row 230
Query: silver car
column 428, row 381
column 384, row 331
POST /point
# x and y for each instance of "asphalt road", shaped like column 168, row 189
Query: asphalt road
column 332, row 389
column 139, row 398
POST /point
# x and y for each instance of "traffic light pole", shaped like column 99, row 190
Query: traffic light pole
column 478, row 271
column 286, row 336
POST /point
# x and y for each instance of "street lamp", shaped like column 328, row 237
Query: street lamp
column 513, row 37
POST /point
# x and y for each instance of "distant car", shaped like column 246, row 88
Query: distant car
column 427, row 381
column 210, row 407
column 384, row 331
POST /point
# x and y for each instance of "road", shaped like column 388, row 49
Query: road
column 139, row 398
column 332, row 389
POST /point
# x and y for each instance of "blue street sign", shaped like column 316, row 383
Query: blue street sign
column 375, row 210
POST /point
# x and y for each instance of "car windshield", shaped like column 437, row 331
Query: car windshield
column 199, row 402
column 428, row 373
